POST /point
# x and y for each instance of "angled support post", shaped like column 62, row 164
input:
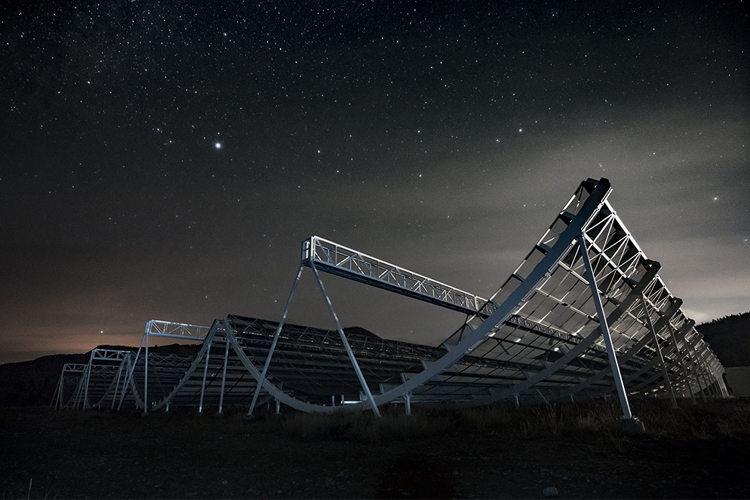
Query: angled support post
column 224, row 374
column 348, row 348
column 407, row 397
column 117, row 383
column 681, row 362
column 706, row 379
column 658, row 351
column 722, row 386
column 542, row 396
column 131, row 369
column 145, row 378
column 276, row 335
column 88, row 381
column 56, row 395
column 203, row 383
column 627, row 416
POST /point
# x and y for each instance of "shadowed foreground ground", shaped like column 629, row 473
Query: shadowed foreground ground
column 695, row 452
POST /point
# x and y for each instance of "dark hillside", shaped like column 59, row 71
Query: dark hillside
column 32, row 383
column 729, row 337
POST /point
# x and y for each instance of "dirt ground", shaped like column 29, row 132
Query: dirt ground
column 73, row 454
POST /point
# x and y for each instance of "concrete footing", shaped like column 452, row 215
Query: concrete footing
column 631, row 426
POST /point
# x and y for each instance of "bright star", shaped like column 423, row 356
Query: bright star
column 217, row 145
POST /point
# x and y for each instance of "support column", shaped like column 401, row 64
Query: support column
column 224, row 374
column 117, row 384
column 203, row 384
column 706, row 380
column 88, row 380
column 131, row 369
column 542, row 396
column 56, row 395
column 681, row 362
column 348, row 348
column 145, row 379
column 722, row 385
column 275, row 341
column 658, row 351
column 629, row 424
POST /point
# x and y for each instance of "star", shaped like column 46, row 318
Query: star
column 217, row 145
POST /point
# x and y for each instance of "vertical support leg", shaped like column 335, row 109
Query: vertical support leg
column 706, row 383
column 697, row 371
column 278, row 407
column 681, row 362
column 117, row 384
column 56, row 395
column 61, row 394
column 275, row 340
column 624, row 404
column 203, row 384
column 658, row 351
column 129, row 378
column 88, row 380
column 408, row 404
column 518, row 403
column 145, row 380
column 80, row 389
column 723, row 386
column 348, row 348
column 224, row 374
column 688, row 382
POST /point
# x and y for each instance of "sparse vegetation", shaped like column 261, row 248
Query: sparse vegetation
column 712, row 419
column 495, row 451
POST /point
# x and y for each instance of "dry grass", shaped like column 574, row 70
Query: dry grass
column 713, row 419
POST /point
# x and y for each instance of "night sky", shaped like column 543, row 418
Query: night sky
column 164, row 159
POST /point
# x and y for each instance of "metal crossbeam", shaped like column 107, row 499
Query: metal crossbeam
column 325, row 255
column 158, row 328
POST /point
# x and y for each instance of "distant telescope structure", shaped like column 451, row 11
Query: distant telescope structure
column 585, row 315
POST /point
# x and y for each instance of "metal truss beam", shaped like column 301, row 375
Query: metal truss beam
column 341, row 261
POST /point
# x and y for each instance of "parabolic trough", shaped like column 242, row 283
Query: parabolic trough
column 585, row 315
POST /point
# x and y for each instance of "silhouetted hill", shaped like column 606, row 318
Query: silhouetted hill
column 32, row 383
column 729, row 337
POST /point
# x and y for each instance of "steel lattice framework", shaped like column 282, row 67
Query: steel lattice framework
column 585, row 314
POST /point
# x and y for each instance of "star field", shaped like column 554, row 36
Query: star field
column 163, row 160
